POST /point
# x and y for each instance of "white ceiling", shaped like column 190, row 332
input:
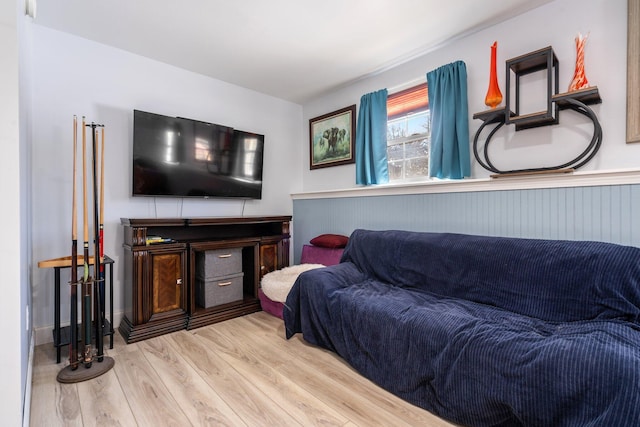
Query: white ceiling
column 291, row 49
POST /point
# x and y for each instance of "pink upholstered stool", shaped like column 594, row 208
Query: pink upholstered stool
column 311, row 256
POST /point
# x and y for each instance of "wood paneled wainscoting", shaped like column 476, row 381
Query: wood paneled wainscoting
column 602, row 206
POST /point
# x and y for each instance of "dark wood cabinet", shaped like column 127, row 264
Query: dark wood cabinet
column 160, row 278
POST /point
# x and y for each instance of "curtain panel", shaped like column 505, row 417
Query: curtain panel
column 449, row 155
column 371, row 139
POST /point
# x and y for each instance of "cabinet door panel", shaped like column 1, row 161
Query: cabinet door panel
column 166, row 282
column 268, row 258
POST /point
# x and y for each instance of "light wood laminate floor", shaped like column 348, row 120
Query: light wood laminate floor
column 241, row 372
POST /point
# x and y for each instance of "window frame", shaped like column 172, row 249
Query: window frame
column 403, row 104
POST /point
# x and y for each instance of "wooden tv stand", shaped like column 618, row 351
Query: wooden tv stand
column 160, row 278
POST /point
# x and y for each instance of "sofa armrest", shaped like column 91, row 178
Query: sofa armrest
column 316, row 284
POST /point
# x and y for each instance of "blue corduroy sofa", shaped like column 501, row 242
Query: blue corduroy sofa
column 484, row 331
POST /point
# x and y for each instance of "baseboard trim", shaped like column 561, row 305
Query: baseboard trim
column 26, row 407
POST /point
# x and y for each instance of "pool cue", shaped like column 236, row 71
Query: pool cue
column 102, row 284
column 73, row 338
column 97, row 240
column 86, row 301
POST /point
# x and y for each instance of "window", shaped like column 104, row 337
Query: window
column 408, row 134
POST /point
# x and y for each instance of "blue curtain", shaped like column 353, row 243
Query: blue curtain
column 371, row 139
column 449, row 155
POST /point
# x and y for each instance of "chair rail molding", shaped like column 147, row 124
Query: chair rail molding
column 525, row 182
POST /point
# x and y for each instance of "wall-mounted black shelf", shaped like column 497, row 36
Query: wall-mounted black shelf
column 541, row 60
column 587, row 96
column 495, row 115
column 578, row 101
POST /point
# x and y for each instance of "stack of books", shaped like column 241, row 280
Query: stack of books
column 152, row 240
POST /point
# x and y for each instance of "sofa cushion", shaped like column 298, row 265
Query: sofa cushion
column 552, row 280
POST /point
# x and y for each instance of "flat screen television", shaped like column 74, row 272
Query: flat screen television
column 179, row 157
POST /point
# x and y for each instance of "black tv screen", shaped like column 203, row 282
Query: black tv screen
column 179, row 157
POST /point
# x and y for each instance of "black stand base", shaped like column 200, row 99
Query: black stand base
column 68, row 375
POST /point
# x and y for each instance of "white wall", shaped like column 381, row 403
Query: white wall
column 555, row 24
column 76, row 76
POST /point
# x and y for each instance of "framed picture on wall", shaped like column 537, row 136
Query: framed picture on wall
column 332, row 138
column 633, row 71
